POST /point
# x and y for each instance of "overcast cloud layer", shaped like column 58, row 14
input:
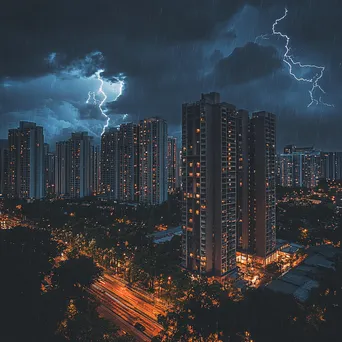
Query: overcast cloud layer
column 167, row 53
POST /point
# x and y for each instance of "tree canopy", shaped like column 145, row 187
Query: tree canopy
column 44, row 300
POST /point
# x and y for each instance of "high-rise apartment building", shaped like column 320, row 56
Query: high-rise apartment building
column 311, row 169
column 80, row 145
column 120, row 163
column 26, row 161
column 110, row 163
column 128, row 162
column 262, row 185
column 153, row 161
column 172, row 164
column 3, row 167
column 209, row 148
column 286, row 169
column 332, row 165
column 180, row 183
column 300, row 167
column 96, row 170
column 49, row 171
column 62, row 168
column 242, row 170
column 73, row 166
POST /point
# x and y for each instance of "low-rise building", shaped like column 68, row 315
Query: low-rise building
column 300, row 280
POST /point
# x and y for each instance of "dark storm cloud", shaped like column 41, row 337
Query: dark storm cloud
column 245, row 64
column 89, row 111
column 311, row 24
column 216, row 56
column 230, row 35
column 170, row 52
column 74, row 28
column 318, row 31
column 82, row 67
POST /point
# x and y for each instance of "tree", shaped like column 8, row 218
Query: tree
column 26, row 259
column 323, row 185
column 325, row 305
column 200, row 316
column 44, row 301
column 75, row 274
column 88, row 326
column 271, row 316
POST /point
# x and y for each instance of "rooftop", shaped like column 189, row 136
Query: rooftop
column 166, row 235
column 302, row 279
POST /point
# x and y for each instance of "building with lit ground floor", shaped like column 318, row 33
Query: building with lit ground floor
column 209, row 186
column 228, row 168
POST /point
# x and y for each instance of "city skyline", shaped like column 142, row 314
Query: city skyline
column 296, row 166
column 305, row 166
column 171, row 170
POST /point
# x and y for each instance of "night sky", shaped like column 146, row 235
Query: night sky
column 167, row 53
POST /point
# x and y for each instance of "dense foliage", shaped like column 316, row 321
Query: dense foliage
column 117, row 236
column 308, row 217
column 213, row 313
column 43, row 299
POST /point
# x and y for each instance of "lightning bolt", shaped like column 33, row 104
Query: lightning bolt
column 288, row 59
column 98, row 75
column 92, row 95
column 101, row 91
column 89, row 96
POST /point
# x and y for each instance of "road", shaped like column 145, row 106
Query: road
column 126, row 306
column 118, row 321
